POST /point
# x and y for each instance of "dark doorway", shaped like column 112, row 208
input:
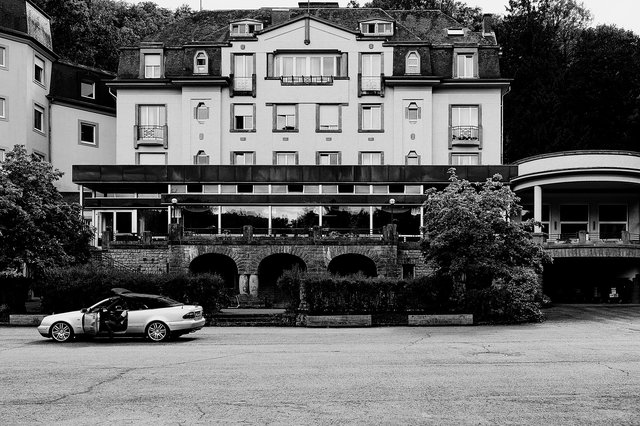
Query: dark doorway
column 271, row 268
column 220, row 264
column 350, row 264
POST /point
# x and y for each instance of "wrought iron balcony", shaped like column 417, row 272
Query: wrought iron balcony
column 306, row 80
column 243, row 84
column 144, row 134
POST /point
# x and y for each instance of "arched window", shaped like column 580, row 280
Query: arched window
column 201, row 63
column 412, row 63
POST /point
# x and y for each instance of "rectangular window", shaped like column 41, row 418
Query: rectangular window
column 3, row 108
column 3, row 57
column 38, row 70
column 612, row 220
column 87, row 89
column 573, row 219
column 285, row 118
column 286, row 158
column 307, row 66
column 376, row 28
column 243, row 117
column 371, row 118
column 328, row 118
column 243, row 158
column 152, row 158
column 371, row 66
column 464, row 159
column 465, row 65
column 370, row 158
column 88, row 133
column 465, row 124
column 152, row 67
column 328, row 158
column 151, row 123
column 38, row 118
column 243, row 73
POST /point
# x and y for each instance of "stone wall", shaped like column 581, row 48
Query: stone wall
column 146, row 260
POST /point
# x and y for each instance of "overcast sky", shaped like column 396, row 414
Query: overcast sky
column 623, row 13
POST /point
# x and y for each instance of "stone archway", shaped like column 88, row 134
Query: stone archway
column 270, row 269
column 353, row 263
column 220, row 264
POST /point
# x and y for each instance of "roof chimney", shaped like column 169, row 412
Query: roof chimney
column 487, row 22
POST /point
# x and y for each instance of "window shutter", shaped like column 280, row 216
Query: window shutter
column 269, row 64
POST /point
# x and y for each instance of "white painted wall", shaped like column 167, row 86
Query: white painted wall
column 66, row 149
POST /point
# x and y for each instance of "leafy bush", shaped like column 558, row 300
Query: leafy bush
column 357, row 294
column 66, row 289
column 514, row 298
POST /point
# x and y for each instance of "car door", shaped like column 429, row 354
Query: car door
column 136, row 316
column 91, row 323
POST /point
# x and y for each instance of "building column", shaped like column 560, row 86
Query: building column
column 253, row 284
column 243, row 284
column 537, row 208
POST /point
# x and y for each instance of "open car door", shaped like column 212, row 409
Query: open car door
column 91, row 323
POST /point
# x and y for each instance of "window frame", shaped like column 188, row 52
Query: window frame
column 361, row 155
column 295, row 128
column 196, row 67
column 246, row 24
column 93, row 88
column 236, row 154
column 361, row 109
column 416, row 66
column 232, row 126
column 5, row 106
column 162, row 118
column 39, row 108
column 465, row 52
column 465, row 142
column 453, row 155
column 378, row 24
column 295, row 155
column 42, row 80
column 320, row 154
column 95, row 127
column 318, row 116
column 4, row 57
column 143, row 63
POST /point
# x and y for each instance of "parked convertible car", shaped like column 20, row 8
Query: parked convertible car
column 126, row 314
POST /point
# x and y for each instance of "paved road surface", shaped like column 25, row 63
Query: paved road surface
column 580, row 367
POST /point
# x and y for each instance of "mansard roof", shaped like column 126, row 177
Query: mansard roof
column 420, row 26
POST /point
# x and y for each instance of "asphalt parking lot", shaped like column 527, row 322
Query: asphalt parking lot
column 582, row 366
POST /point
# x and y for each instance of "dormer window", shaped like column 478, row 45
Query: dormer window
column 201, row 63
column 455, row 32
column 152, row 65
column 245, row 28
column 377, row 28
column 412, row 65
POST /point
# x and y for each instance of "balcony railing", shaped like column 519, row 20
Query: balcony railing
column 306, row 80
column 623, row 237
column 150, row 135
column 465, row 134
column 243, row 84
column 370, row 85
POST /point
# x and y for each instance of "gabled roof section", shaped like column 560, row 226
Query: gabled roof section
column 424, row 26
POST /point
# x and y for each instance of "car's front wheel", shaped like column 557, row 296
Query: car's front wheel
column 61, row 332
column 158, row 331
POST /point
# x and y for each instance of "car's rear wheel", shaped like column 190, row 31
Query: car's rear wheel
column 61, row 332
column 158, row 331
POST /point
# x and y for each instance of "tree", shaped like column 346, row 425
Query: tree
column 39, row 228
column 90, row 32
column 471, row 240
column 468, row 16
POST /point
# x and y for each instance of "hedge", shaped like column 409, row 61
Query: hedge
column 67, row 289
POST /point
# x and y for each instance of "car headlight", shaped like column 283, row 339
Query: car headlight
column 190, row 315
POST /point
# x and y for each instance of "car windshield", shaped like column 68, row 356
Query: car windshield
column 102, row 304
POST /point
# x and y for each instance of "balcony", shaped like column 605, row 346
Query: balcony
column 306, row 80
column 150, row 135
column 370, row 85
column 466, row 136
column 243, row 86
